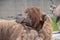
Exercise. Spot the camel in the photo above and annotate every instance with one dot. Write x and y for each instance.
(40, 28)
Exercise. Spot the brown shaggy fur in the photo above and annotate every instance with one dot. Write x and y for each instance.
(10, 30)
(42, 24)
(34, 15)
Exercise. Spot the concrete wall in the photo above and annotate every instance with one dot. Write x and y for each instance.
(9, 8)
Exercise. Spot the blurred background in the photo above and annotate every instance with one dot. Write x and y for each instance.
(10, 8)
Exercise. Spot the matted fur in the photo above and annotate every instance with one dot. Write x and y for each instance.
(34, 15)
(10, 30)
(42, 25)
